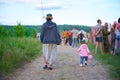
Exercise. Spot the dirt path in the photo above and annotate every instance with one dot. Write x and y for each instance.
(66, 68)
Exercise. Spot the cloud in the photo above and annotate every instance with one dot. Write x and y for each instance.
(49, 6)
(1, 3)
(19, 1)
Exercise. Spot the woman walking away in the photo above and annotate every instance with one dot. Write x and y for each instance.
(50, 38)
(84, 52)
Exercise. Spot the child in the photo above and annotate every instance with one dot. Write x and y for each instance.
(83, 51)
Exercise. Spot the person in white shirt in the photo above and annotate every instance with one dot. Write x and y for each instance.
(74, 37)
(99, 35)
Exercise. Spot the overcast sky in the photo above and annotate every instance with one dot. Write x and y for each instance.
(83, 12)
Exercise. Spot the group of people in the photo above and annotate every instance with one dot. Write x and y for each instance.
(73, 37)
(50, 38)
(108, 39)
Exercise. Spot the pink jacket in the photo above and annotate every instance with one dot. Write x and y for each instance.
(83, 50)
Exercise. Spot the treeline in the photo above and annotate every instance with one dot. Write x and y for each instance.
(70, 27)
(20, 30)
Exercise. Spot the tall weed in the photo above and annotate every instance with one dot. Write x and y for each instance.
(15, 51)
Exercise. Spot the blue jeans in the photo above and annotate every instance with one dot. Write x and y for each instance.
(117, 47)
(83, 58)
(74, 42)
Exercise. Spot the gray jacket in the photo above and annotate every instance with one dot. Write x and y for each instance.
(49, 33)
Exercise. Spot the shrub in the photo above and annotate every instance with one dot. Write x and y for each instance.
(19, 31)
(3, 31)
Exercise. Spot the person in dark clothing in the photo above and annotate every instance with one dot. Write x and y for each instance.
(50, 38)
(106, 44)
(70, 38)
(81, 36)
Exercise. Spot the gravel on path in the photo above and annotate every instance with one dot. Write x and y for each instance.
(66, 68)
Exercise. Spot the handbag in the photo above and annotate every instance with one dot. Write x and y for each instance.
(90, 57)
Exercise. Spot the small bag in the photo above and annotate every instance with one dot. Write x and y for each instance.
(90, 56)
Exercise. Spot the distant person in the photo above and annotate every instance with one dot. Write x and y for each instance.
(92, 35)
(117, 39)
(81, 36)
(84, 52)
(38, 36)
(50, 38)
(99, 36)
(112, 34)
(74, 37)
(106, 44)
(70, 37)
(65, 36)
(85, 37)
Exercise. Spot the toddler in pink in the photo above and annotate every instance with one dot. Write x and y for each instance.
(83, 51)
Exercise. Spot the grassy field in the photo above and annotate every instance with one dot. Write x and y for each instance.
(113, 62)
(15, 52)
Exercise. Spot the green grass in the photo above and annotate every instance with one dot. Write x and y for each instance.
(112, 61)
(14, 52)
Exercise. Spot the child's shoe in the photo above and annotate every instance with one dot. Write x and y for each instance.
(85, 62)
(81, 65)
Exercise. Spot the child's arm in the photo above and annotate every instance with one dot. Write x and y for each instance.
(88, 50)
(79, 49)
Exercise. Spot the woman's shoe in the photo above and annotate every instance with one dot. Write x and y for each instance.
(50, 68)
(45, 67)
